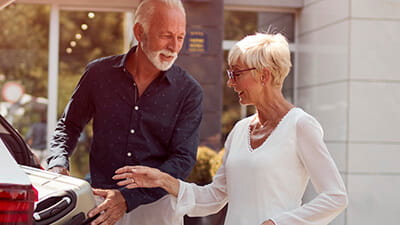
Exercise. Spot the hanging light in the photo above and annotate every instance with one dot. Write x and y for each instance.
(91, 15)
(68, 50)
(72, 43)
(84, 26)
(78, 36)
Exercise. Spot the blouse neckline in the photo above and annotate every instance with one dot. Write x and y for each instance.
(251, 149)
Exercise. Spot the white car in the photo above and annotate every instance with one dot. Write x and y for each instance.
(31, 196)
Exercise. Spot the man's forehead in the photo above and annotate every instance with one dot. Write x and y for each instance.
(169, 21)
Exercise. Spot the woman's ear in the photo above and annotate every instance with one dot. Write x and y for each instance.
(265, 76)
(138, 32)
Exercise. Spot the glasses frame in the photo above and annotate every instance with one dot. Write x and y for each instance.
(232, 74)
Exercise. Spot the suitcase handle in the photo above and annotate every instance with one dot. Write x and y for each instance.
(53, 210)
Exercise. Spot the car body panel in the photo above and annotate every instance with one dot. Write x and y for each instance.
(60, 200)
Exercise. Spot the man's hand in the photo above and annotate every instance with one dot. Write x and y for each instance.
(111, 210)
(60, 170)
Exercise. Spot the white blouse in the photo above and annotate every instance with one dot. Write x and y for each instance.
(269, 182)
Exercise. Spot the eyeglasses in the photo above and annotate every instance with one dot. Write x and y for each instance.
(232, 74)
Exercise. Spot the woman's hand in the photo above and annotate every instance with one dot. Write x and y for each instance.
(146, 177)
(138, 176)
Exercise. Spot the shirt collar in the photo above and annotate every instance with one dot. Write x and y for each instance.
(165, 75)
(121, 61)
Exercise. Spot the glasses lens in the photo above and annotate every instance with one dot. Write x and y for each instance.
(230, 74)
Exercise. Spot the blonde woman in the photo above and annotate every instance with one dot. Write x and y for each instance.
(270, 156)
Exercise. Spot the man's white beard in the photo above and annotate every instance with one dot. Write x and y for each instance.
(154, 57)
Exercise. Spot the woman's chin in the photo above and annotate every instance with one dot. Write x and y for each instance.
(243, 101)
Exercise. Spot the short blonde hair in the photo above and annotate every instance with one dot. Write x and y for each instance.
(263, 50)
(146, 8)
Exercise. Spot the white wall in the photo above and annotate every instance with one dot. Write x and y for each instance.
(348, 79)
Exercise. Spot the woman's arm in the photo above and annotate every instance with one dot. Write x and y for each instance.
(325, 177)
(191, 199)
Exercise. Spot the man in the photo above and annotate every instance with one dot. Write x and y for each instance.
(145, 110)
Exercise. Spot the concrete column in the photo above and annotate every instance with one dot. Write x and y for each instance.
(54, 33)
(202, 57)
(348, 79)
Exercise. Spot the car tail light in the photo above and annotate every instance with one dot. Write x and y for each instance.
(16, 204)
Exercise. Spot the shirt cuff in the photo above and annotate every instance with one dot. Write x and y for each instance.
(185, 201)
(130, 203)
(59, 161)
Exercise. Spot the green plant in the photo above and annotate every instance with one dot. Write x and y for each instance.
(207, 164)
(216, 162)
(201, 172)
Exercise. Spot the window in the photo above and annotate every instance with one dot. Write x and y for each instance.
(23, 63)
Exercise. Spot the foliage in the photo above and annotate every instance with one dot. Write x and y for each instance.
(238, 24)
(216, 162)
(207, 164)
(24, 56)
(24, 46)
(201, 172)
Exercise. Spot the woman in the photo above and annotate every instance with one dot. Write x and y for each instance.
(270, 156)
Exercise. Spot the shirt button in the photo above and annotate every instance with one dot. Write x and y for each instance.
(134, 84)
(136, 108)
(132, 131)
(129, 154)
(124, 69)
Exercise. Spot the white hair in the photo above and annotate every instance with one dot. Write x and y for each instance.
(146, 8)
(263, 50)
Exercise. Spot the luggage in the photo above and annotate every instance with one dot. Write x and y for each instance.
(63, 200)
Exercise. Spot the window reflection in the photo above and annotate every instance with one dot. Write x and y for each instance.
(23, 64)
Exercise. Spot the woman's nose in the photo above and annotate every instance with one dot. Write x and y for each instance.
(230, 82)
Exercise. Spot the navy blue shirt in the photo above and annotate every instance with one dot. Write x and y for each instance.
(158, 129)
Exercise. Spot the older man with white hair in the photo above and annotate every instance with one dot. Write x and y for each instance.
(145, 110)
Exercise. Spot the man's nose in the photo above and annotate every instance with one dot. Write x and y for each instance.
(175, 45)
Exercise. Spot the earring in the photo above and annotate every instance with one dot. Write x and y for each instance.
(263, 81)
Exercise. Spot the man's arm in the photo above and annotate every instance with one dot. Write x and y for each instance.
(182, 149)
(185, 141)
(76, 115)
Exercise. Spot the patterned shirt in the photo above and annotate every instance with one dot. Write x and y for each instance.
(158, 129)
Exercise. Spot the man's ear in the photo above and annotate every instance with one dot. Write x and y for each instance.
(138, 31)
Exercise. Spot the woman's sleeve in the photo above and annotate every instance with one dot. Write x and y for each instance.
(332, 198)
(194, 200)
